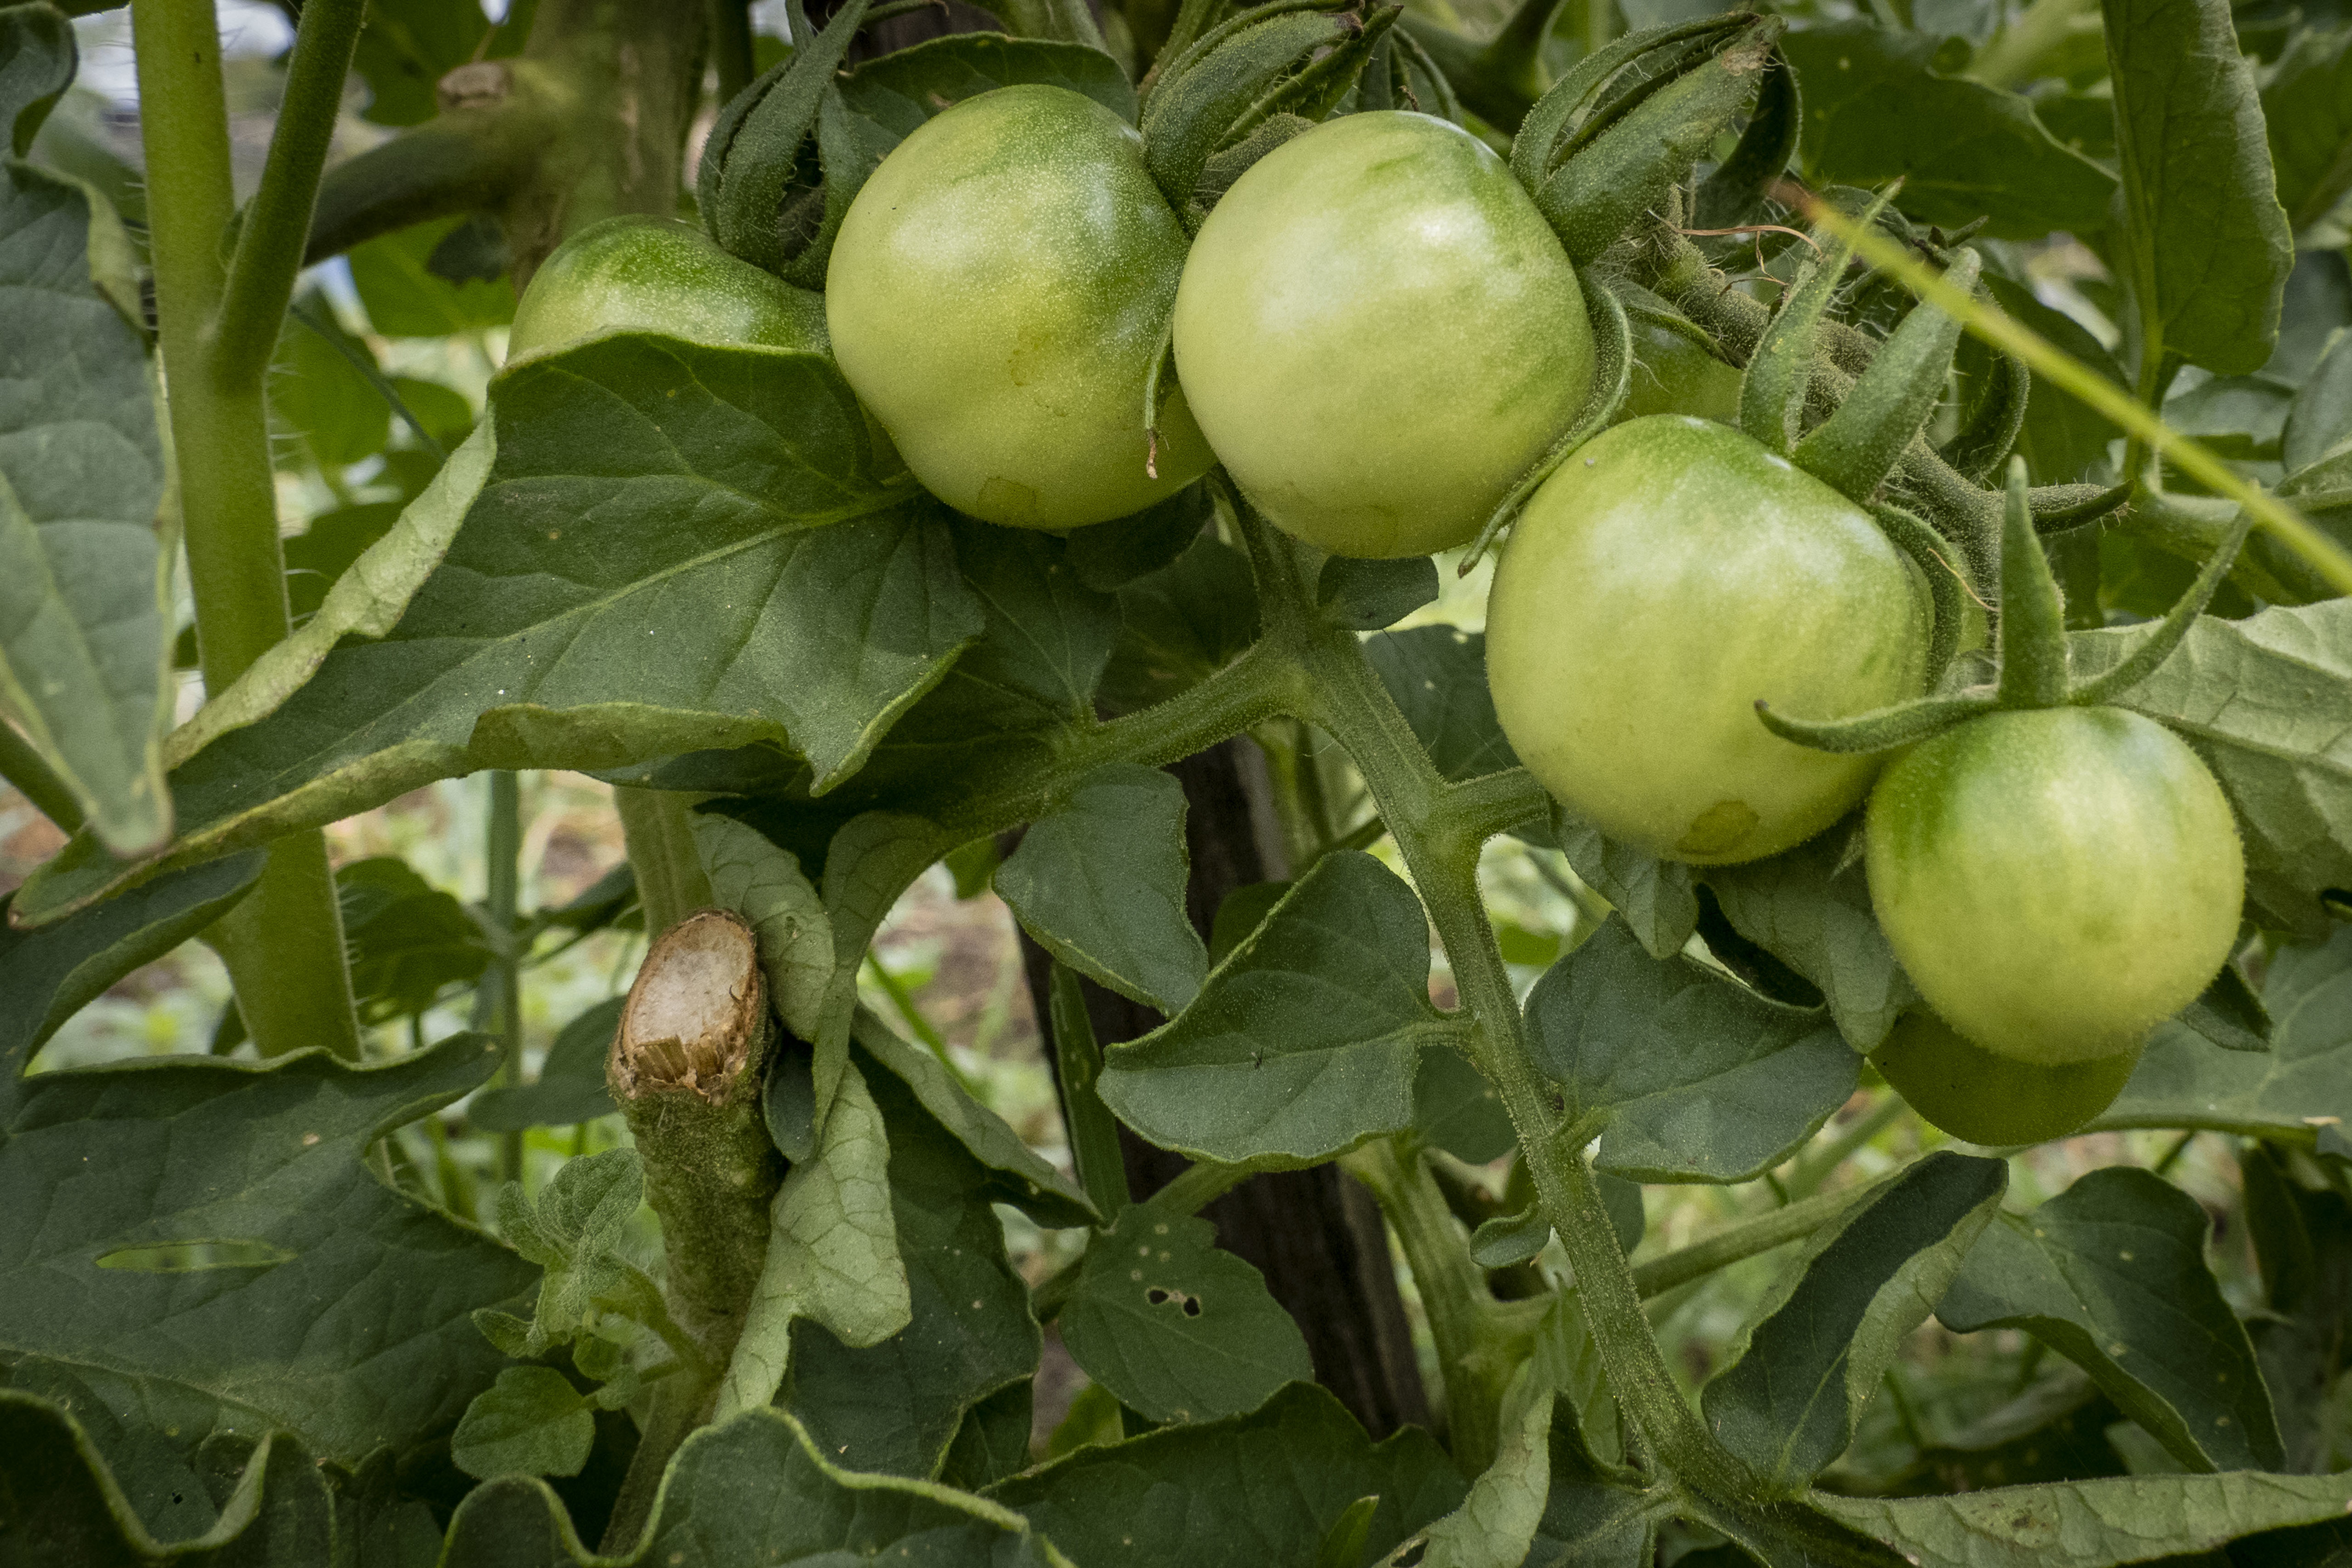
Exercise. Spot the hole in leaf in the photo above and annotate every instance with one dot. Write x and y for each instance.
(1191, 1306)
(194, 1256)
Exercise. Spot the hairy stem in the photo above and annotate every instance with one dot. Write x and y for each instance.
(1745, 1240)
(503, 994)
(658, 826)
(284, 943)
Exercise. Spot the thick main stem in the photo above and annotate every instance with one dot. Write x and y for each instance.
(284, 944)
(1352, 705)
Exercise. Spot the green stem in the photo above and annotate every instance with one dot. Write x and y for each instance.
(658, 826)
(1094, 1136)
(1453, 1297)
(903, 1000)
(277, 224)
(1762, 1234)
(502, 906)
(23, 766)
(1440, 845)
(1815, 1166)
(284, 943)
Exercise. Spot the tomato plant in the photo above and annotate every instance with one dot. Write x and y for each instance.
(737, 748)
(996, 295)
(1666, 577)
(1379, 333)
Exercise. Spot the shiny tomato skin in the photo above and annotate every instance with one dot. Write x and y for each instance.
(996, 294)
(1671, 572)
(1379, 334)
(658, 275)
(2056, 882)
(1995, 1100)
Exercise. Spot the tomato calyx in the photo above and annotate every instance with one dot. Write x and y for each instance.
(2034, 670)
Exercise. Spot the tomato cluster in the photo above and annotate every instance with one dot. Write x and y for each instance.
(1377, 333)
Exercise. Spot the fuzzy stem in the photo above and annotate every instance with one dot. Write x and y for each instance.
(503, 850)
(1766, 1231)
(284, 943)
(658, 826)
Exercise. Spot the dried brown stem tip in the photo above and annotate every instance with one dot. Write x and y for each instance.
(696, 1014)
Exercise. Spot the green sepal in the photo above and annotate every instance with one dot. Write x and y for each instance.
(2033, 610)
(1991, 431)
(2058, 509)
(1856, 449)
(1572, 112)
(1933, 554)
(1601, 188)
(1742, 184)
(1230, 81)
(758, 146)
(1882, 730)
(2165, 636)
(1502, 78)
(1772, 388)
(1612, 377)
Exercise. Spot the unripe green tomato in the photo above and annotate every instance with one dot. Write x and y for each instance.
(1668, 575)
(658, 275)
(1991, 1100)
(1379, 333)
(1672, 375)
(2056, 882)
(996, 294)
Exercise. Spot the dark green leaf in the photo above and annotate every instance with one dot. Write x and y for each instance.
(1691, 1076)
(127, 1184)
(56, 1506)
(84, 573)
(2307, 111)
(2228, 1013)
(2240, 416)
(1177, 1329)
(1592, 1518)
(895, 1407)
(2064, 436)
(1875, 107)
(1304, 1041)
(571, 1085)
(901, 90)
(407, 939)
(1243, 910)
(1496, 1523)
(2267, 702)
(1819, 1343)
(404, 298)
(2320, 420)
(1658, 898)
(1438, 677)
(1109, 556)
(1015, 1173)
(2208, 244)
(1500, 1242)
(1180, 625)
(1816, 919)
(994, 1441)
(406, 49)
(1100, 881)
(673, 546)
(753, 1490)
(37, 65)
(531, 1422)
(319, 396)
(2111, 1273)
(1252, 1491)
(2091, 1524)
(1365, 595)
(1458, 1110)
(2302, 1241)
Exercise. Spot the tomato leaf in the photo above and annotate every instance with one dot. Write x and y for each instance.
(2320, 419)
(1099, 882)
(1877, 108)
(86, 561)
(2111, 1274)
(2208, 246)
(2302, 1241)
(1365, 595)
(1304, 1041)
(1817, 1346)
(1658, 898)
(895, 1407)
(1691, 1076)
(37, 61)
(758, 1489)
(1177, 1329)
(1438, 677)
(319, 396)
(531, 1422)
(671, 546)
(1242, 1492)
(1496, 1525)
(570, 1088)
(2094, 1524)
(1815, 917)
(2307, 111)
(1180, 625)
(404, 298)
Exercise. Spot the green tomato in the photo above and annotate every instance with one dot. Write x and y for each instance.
(1995, 1100)
(658, 275)
(1672, 375)
(1379, 334)
(1668, 575)
(997, 294)
(2056, 882)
